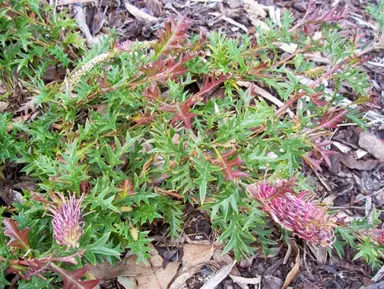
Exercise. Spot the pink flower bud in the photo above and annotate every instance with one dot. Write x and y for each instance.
(294, 213)
(66, 221)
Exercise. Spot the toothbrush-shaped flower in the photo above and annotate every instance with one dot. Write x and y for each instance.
(66, 221)
(295, 213)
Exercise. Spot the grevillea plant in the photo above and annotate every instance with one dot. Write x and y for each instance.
(137, 130)
(294, 213)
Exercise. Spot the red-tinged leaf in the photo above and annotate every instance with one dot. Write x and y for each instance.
(152, 92)
(181, 111)
(143, 118)
(316, 99)
(208, 84)
(162, 70)
(172, 37)
(331, 120)
(19, 238)
(312, 162)
(72, 279)
(315, 19)
(323, 153)
(227, 165)
(256, 70)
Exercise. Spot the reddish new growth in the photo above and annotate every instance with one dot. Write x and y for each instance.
(227, 165)
(66, 221)
(294, 213)
(172, 37)
(378, 235)
(181, 111)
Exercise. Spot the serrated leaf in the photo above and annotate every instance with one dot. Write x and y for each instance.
(228, 165)
(172, 37)
(19, 238)
(72, 279)
(181, 111)
(204, 170)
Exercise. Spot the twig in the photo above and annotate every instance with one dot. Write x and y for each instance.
(322, 181)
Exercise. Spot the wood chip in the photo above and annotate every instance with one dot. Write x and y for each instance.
(242, 280)
(140, 15)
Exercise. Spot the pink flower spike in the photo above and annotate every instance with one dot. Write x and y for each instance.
(66, 221)
(294, 213)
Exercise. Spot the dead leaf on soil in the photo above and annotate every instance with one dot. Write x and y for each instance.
(253, 7)
(223, 260)
(295, 269)
(148, 276)
(219, 276)
(320, 253)
(272, 282)
(360, 165)
(127, 282)
(3, 106)
(183, 276)
(197, 254)
(256, 12)
(372, 144)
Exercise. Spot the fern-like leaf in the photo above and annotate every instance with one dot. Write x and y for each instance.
(172, 37)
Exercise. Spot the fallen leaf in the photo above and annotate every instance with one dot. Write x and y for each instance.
(295, 269)
(127, 282)
(320, 253)
(271, 282)
(183, 276)
(218, 277)
(223, 260)
(148, 276)
(360, 165)
(254, 8)
(372, 144)
(196, 254)
(3, 106)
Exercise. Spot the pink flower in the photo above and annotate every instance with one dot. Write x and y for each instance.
(378, 235)
(294, 213)
(66, 221)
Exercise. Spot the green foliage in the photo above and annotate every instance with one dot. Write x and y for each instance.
(139, 135)
(34, 38)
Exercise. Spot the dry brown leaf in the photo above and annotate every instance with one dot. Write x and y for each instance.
(3, 106)
(183, 276)
(166, 275)
(218, 277)
(360, 165)
(254, 8)
(295, 269)
(223, 260)
(148, 276)
(127, 282)
(196, 254)
(320, 253)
